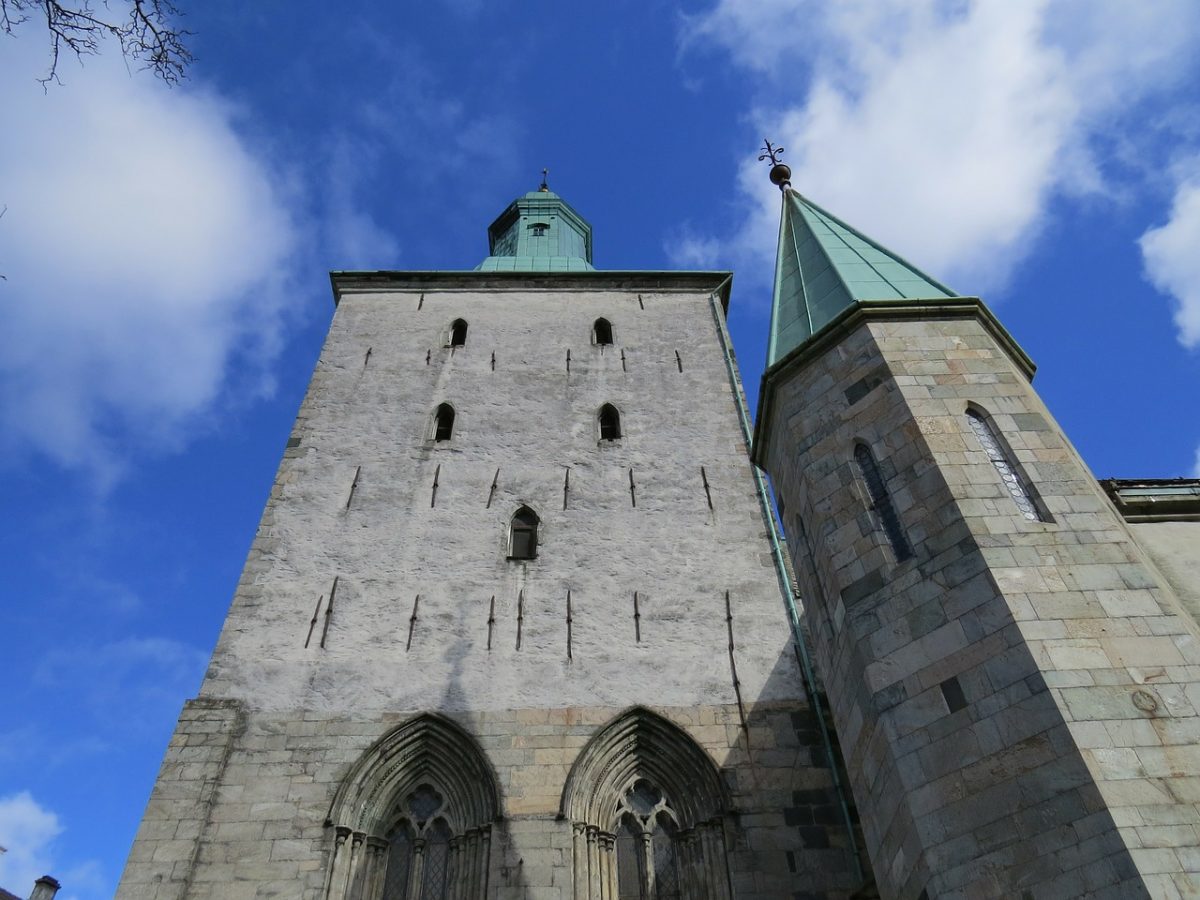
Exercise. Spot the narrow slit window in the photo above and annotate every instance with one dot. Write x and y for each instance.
(1017, 487)
(602, 332)
(523, 534)
(458, 333)
(443, 423)
(881, 501)
(610, 423)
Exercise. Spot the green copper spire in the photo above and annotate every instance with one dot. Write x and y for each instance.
(824, 267)
(539, 232)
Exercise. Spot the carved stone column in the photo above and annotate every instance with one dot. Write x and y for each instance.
(484, 859)
(339, 866)
(374, 868)
(579, 857)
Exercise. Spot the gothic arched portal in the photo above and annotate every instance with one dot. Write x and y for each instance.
(647, 809)
(412, 819)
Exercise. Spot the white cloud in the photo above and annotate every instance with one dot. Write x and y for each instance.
(689, 250)
(27, 832)
(142, 246)
(945, 129)
(134, 684)
(1171, 255)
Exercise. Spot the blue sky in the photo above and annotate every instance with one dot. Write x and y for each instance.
(166, 256)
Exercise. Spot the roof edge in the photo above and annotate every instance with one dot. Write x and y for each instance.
(348, 282)
(864, 311)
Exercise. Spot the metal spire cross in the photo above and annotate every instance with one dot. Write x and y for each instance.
(781, 175)
(544, 186)
(771, 153)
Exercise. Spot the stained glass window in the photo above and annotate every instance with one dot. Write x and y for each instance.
(1013, 482)
(881, 501)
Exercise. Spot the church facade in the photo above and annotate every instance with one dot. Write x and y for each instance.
(518, 621)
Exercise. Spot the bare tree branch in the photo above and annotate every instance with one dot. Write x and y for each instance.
(146, 34)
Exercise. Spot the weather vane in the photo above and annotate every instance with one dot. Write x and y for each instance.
(781, 175)
(544, 185)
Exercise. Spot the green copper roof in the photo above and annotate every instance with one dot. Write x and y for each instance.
(539, 232)
(824, 266)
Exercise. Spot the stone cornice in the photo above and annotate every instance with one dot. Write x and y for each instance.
(363, 282)
(866, 311)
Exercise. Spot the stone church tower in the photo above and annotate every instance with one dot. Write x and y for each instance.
(514, 624)
(1011, 649)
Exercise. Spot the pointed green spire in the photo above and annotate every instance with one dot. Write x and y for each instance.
(539, 232)
(824, 267)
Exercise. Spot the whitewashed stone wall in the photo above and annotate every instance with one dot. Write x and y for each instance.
(299, 687)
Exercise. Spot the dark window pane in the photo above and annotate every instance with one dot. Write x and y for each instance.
(666, 872)
(630, 862)
(458, 333)
(444, 423)
(399, 863)
(881, 502)
(610, 423)
(603, 331)
(523, 534)
(437, 858)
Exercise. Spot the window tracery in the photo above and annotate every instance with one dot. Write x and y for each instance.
(412, 821)
(647, 807)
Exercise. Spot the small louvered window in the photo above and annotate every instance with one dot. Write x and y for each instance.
(881, 501)
(1018, 488)
(523, 534)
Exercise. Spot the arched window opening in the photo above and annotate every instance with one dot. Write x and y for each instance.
(997, 452)
(881, 501)
(523, 534)
(458, 333)
(610, 423)
(647, 807)
(412, 820)
(602, 332)
(443, 422)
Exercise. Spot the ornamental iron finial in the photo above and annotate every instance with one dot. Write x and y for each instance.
(544, 186)
(781, 175)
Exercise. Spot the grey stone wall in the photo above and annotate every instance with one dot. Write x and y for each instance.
(1175, 549)
(1018, 702)
(319, 673)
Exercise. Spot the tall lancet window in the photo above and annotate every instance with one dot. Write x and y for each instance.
(1016, 485)
(610, 423)
(881, 501)
(602, 332)
(458, 333)
(523, 534)
(443, 422)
